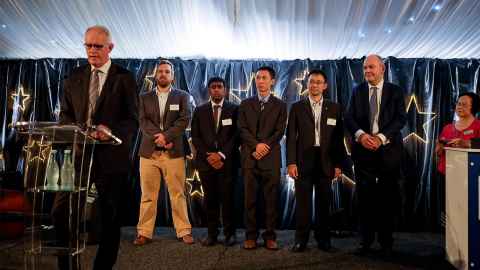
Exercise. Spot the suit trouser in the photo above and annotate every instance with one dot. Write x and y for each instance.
(269, 179)
(109, 191)
(377, 194)
(218, 188)
(303, 207)
(173, 172)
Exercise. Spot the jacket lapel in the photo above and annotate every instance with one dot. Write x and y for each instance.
(383, 103)
(308, 109)
(209, 117)
(107, 87)
(83, 94)
(323, 122)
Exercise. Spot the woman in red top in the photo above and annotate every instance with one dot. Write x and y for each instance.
(459, 133)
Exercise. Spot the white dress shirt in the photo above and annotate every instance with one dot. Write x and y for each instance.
(102, 74)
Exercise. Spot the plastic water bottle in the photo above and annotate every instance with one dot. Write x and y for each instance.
(67, 173)
(2, 162)
(52, 171)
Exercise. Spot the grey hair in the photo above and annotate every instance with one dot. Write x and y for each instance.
(102, 29)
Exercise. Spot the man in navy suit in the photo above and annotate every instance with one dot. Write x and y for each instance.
(375, 117)
(315, 151)
(261, 123)
(214, 135)
(104, 94)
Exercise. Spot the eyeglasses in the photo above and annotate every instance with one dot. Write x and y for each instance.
(95, 46)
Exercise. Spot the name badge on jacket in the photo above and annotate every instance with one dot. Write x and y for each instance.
(331, 121)
(227, 122)
(174, 107)
(468, 132)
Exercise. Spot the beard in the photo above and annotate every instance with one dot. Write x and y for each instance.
(163, 83)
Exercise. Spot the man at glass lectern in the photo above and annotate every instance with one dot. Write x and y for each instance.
(104, 94)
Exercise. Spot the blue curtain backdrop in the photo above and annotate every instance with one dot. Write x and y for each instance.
(31, 90)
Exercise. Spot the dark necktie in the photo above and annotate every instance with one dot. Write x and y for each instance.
(262, 104)
(93, 91)
(373, 107)
(215, 115)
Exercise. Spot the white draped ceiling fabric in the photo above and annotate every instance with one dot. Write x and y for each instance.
(244, 29)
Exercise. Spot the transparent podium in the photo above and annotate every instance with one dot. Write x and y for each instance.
(57, 164)
(463, 208)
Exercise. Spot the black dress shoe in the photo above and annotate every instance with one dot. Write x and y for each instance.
(298, 247)
(230, 240)
(386, 252)
(363, 250)
(209, 241)
(325, 245)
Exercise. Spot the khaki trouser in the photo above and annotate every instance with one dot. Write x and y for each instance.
(173, 172)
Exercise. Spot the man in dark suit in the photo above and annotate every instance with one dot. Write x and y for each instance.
(375, 118)
(214, 135)
(164, 115)
(102, 94)
(261, 122)
(315, 151)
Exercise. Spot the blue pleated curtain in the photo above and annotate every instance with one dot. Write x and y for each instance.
(31, 90)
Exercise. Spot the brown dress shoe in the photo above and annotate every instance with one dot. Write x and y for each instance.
(271, 244)
(249, 244)
(188, 239)
(141, 240)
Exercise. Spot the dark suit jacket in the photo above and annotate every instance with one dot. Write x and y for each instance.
(115, 108)
(301, 137)
(267, 126)
(392, 118)
(205, 139)
(176, 119)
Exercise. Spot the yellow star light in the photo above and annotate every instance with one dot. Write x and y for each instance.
(236, 93)
(150, 79)
(195, 181)
(22, 96)
(36, 150)
(413, 100)
(299, 82)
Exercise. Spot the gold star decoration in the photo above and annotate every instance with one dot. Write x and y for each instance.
(20, 98)
(418, 115)
(195, 185)
(299, 82)
(36, 150)
(236, 94)
(149, 79)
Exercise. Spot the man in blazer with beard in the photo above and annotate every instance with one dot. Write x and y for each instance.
(261, 122)
(164, 115)
(315, 150)
(103, 94)
(375, 118)
(214, 136)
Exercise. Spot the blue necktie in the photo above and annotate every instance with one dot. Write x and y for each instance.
(373, 107)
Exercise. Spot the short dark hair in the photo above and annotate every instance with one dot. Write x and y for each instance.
(166, 62)
(216, 79)
(269, 69)
(317, 72)
(475, 101)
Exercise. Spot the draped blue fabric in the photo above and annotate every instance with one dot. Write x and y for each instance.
(30, 90)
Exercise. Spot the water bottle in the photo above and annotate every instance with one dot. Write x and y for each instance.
(53, 171)
(67, 173)
(2, 162)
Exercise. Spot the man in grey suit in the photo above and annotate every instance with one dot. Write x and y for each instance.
(164, 116)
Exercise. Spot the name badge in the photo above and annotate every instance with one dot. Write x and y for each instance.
(331, 121)
(468, 132)
(227, 122)
(174, 107)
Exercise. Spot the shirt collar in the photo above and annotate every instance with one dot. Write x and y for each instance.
(103, 69)
(220, 104)
(264, 99)
(313, 101)
(379, 85)
(164, 93)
